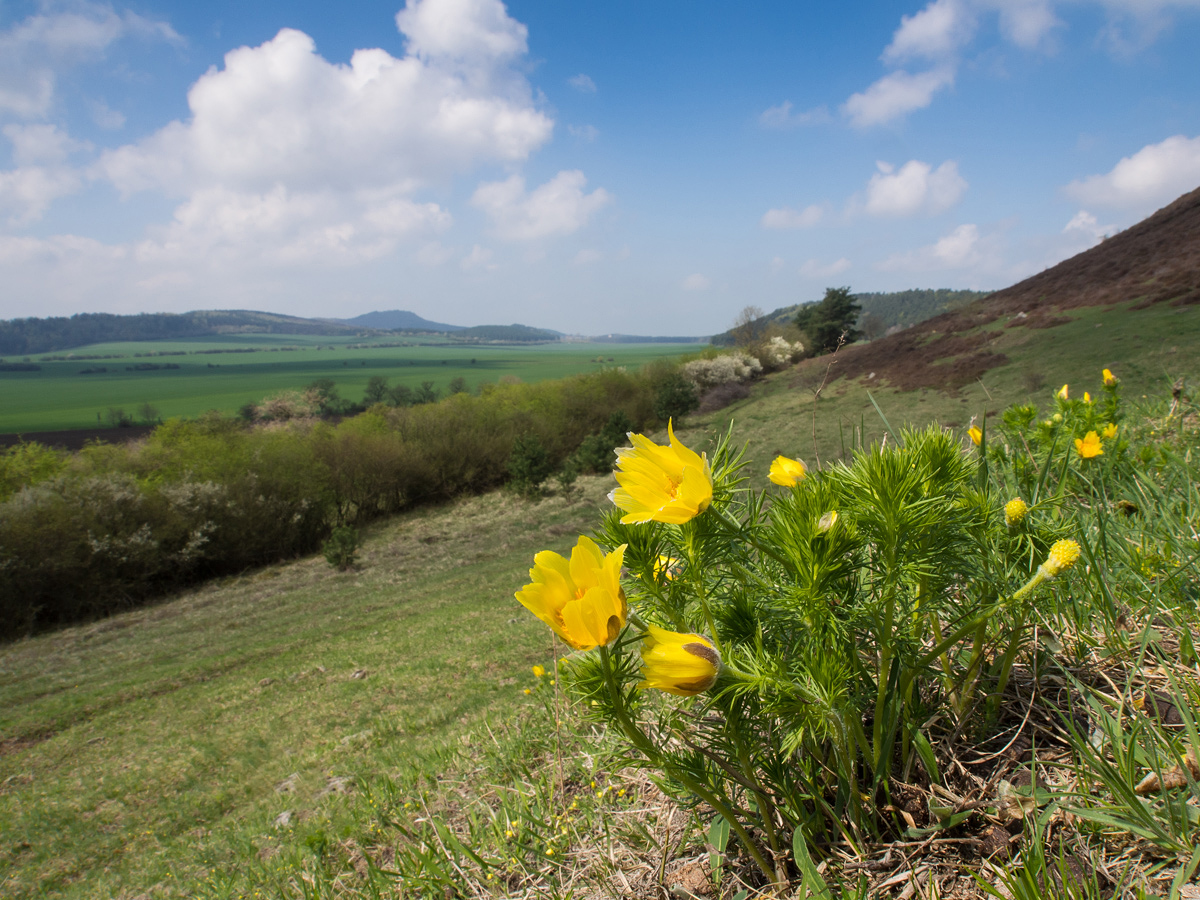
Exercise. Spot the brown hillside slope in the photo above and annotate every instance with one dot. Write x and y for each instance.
(1156, 260)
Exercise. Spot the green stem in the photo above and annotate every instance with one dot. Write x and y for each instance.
(638, 738)
(741, 531)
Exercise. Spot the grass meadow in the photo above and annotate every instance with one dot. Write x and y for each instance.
(300, 732)
(225, 372)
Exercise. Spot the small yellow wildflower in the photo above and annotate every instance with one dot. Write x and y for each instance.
(1087, 398)
(1110, 431)
(1110, 380)
(528, 691)
(1062, 393)
(787, 472)
(682, 664)
(976, 435)
(581, 598)
(538, 671)
(1088, 446)
(669, 484)
(1015, 510)
(1062, 556)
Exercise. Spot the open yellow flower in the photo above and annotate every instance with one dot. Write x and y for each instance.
(1062, 393)
(975, 435)
(1110, 431)
(669, 484)
(1089, 445)
(580, 599)
(787, 472)
(1110, 380)
(683, 664)
(1015, 510)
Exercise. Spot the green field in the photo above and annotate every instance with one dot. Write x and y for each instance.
(225, 372)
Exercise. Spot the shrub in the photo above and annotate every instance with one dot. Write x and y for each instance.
(528, 466)
(722, 395)
(675, 398)
(705, 374)
(341, 549)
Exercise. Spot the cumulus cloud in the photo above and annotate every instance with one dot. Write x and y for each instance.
(582, 83)
(557, 207)
(36, 49)
(915, 188)
(1086, 224)
(1155, 175)
(963, 248)
(1027, 23)
(895, 95)
(938, 31)
(42, 172)
(782, 116)
(786, 217)
(696, 282)
(464, 31)
(814, 268)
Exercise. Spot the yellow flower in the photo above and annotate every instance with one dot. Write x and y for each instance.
(683, 664)
(787, 472)
(1110, 431)
(976, 435)
(664, 567)
(1089, 445)
(827, 521)
(1062, 556)
(1087, 398)
(661, 484)
(580, 599)
(1015, 510)
(1062, 393)
(1110, 380)
(538, 671)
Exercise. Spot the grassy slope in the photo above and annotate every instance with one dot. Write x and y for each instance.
(152, 751)
(58, 397)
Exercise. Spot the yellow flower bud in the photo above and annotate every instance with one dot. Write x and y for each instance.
(1015, 510)
(1087, 398)
(1062, 556)
(682, 664)
(1062, 393)
(1110, 380)
(787, 472)
(976, 435)
(827, 521)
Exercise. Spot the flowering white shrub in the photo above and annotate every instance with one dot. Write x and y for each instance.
(732, 367)
(778, 352)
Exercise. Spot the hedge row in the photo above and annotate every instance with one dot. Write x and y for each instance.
(87, 534)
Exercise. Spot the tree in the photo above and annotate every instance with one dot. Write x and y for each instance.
(830, 322)
(458, 385)
(674, 398)
(377, 390)
(748, 326)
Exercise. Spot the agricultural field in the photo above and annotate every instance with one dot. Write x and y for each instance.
(187, 378)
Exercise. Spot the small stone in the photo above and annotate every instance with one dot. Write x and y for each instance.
(359, 674)
(266, 682)
(284, 819)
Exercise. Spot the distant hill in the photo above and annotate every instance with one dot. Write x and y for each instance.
(396, 320)
(894, 309)
(505, 334)
(642, 339)
(22, 337)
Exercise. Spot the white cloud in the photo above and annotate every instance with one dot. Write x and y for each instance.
(582, 83)
(585, 133)
(814, 268)
(470, 31)
(1086, 224)
(895, 95)
(33, 144)
(916, 188)
(1155, 175)
(42, 173)
(557, 207)
(936, 33)
(785, 217)
(963, 248)
(106, 117)
(1027, 22)
(781, 116)
(35, 50)
(696, 282)
(478, 258)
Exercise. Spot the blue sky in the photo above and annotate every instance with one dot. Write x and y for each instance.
(647, 168)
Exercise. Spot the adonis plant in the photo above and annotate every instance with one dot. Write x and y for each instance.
(784, 646)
